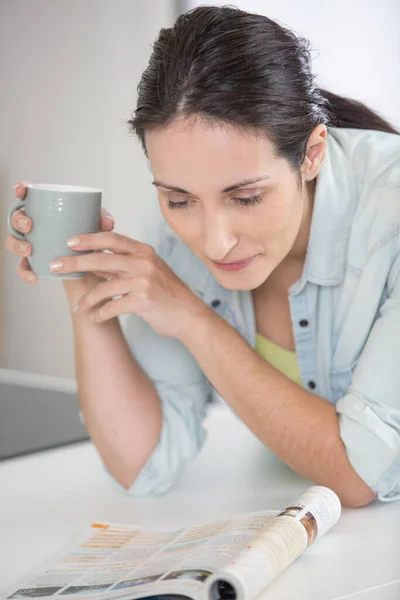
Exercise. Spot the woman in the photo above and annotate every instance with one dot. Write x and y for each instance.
(274, 277)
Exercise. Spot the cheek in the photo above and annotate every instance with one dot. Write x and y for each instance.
(284, 212)
(185, 226)
(276, 220)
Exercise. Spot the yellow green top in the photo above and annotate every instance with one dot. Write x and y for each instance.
(281, 359)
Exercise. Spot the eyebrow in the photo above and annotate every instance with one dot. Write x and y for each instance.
(230, 188)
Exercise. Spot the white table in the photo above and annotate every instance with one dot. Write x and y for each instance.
(48, 497)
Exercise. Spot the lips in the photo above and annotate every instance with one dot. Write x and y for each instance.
(234, 266)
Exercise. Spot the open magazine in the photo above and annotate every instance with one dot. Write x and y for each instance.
(232, 559)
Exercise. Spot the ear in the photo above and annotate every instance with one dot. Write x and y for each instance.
(315, 153)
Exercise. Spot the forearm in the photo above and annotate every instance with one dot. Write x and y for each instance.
(298, 426)
(120, 404)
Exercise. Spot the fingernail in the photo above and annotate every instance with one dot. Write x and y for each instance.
(105, 213)
(72, 242)
(91, 316)
(75, 307)
(31, 277)
(56, 265)
(22, 223)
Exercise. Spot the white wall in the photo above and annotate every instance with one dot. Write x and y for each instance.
(68, 76)
(357, 44)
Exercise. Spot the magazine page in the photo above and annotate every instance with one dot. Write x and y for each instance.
(98, 558)
(230, 558)
(184, 566)
(289, 534)
(111, 560)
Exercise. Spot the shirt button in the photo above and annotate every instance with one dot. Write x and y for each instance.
(303, 323)
(312, 385)
(215, 303)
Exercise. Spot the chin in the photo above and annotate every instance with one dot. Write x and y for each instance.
(240, 281)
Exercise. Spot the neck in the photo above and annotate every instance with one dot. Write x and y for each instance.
(298, 251)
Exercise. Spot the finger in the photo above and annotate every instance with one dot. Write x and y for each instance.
(95, 261)
(21, 222)
(107, 221)
(20, 190)
(107, 224)
(25, 273)
(107, 240)
(105, 275)
(104, 291)
(115, 308)
(17, 247)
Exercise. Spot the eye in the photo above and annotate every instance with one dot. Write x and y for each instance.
(178, 205)
(249, 201)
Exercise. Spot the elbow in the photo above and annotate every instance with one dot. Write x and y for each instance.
(142, 482)
(352, 490)
(356, 497)
(358, 501)
(126, 481)
(124, 477)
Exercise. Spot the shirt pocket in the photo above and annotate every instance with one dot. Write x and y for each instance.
(341, 380)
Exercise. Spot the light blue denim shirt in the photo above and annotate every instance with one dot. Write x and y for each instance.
(349, 294)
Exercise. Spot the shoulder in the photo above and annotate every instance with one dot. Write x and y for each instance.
(374, 156)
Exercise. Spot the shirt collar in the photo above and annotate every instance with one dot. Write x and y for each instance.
(333, 211)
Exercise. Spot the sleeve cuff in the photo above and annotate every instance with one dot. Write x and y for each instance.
(179, 443)
(153, 479)
(372, 446)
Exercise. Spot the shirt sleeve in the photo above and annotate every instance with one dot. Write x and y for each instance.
(184, 393)
(369, 414)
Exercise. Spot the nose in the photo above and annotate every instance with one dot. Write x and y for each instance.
(219, 239)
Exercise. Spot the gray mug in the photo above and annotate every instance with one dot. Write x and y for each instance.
(58, 212)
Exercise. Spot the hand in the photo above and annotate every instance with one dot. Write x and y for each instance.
(142, 283)
(24, 249)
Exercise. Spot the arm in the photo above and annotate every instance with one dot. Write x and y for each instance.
(300, 427)
(120, 404)
(143, 397)
(369, 414)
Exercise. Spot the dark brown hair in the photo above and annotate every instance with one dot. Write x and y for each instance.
(231, 66)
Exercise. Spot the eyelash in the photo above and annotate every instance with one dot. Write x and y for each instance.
(241, 201)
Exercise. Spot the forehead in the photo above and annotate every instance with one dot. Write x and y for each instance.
(189, 150)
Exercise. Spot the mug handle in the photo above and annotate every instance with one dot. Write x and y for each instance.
(12, 210)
